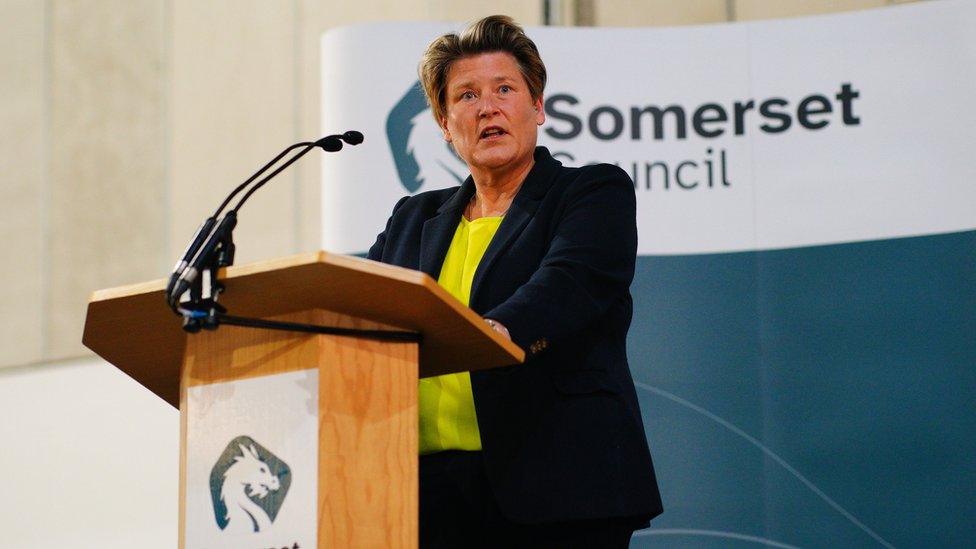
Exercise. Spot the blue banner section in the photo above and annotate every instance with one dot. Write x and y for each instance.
(811, 397)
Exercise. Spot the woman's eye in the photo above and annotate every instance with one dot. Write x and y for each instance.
(467, 95)
(504, 89)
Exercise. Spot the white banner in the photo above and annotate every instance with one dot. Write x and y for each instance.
(252, 462)
(738, 136)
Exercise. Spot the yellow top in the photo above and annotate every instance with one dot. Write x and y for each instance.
(447, 416)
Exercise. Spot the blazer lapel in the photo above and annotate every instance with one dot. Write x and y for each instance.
(436, 235)
(519, 214)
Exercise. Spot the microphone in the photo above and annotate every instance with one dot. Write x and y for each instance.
(352, 137)
(333, 143)
(212, 232)
(203, 232)
(206, 228)
(192, 269)
(330, 143)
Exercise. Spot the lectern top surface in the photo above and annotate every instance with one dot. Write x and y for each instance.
(131, 326)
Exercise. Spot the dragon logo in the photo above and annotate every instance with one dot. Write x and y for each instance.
(248, 485)
(417, 143)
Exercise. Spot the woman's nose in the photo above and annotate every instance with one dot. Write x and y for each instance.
(488, 105)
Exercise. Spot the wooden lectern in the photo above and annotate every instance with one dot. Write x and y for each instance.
(367, 441)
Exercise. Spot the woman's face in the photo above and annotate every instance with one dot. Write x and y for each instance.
(491, 118)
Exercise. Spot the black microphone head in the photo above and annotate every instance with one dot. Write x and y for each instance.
(331, 143)
(352, 137)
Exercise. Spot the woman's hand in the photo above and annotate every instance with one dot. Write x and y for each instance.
(499, 327)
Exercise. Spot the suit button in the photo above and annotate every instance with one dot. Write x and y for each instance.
(538, 346)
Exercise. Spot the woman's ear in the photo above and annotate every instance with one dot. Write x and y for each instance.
(447, 132)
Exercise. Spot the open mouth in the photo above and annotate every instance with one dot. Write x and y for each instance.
(492, 132)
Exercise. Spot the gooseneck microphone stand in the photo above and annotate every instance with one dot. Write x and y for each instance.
(193, 289)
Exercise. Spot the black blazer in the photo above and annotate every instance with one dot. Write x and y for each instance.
(562, 435)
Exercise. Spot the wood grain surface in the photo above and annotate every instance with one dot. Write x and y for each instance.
(132, 328)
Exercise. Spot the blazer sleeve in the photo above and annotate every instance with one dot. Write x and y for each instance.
(587, 267)
(376, 250)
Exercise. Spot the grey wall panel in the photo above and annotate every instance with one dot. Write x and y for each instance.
(22, 181)
(232, 111)
(656, 13)
(106, 213)
(746, 10)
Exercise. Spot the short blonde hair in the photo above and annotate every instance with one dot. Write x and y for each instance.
(495, 33)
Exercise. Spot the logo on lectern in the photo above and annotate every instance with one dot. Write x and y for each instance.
(248, 485)
(419, 151)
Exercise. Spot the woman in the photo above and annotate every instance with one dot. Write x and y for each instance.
(550, 452)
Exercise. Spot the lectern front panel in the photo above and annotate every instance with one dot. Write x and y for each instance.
(324, 426)
(252, 461)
